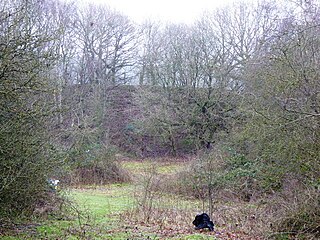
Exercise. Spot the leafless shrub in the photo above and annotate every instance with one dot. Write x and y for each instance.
(99, 174)
(53, 204)
(158, 208)
(297, 213)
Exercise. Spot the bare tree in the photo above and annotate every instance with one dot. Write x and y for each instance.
(106, 46)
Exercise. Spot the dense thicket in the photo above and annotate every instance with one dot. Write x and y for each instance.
(27, 53)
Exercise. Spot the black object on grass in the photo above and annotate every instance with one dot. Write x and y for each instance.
(203, 221)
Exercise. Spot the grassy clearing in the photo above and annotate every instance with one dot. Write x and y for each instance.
(106, 213)
(139, 167)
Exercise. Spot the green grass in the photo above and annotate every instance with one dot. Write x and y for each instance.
(170, 168)
(139, 167)
(198, 237)
(104, 201)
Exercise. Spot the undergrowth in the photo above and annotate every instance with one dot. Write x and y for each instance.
(236, 194)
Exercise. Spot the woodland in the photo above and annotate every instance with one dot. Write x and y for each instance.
(222, 114)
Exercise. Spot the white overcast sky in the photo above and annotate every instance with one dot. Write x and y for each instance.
(176, 11)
